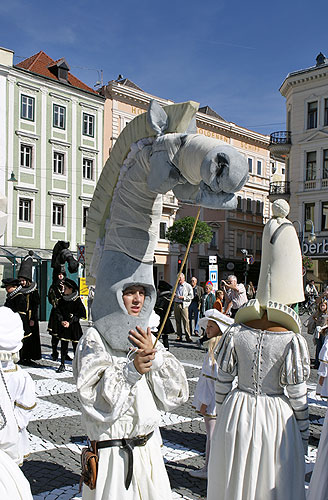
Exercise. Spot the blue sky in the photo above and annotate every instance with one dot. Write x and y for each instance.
(231, 55)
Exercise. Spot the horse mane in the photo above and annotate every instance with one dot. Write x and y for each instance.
(179, 118)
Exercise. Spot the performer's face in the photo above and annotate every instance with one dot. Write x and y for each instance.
(133, 298)
(212, 329)
(22, 282)
(60, 277)
(10, 288)
(67, 290)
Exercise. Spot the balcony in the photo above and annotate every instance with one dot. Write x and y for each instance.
(280, 143)
(279, 189)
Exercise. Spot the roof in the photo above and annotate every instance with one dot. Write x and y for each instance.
(41, 63)
(128, 83)
(209, 111)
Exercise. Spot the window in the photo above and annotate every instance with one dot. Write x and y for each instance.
(311, 165)
(312, 114)
(88, 124)
(249, 243)
(25, 210)
(27, 107)
(85, 216)
(325, 164)
(308, 215)
(324, 216)
(249, 205)
(213, 240)
(59, 116)
(258, 243)
(87, 169)
(259, 167)
(239, 241)
(258, 207)
(57, 214)
(250, 165)
(325, 116)
(162, 230)
(59, 163)
(283, 171)
(239, 203)
(273, 168)
(26, 156)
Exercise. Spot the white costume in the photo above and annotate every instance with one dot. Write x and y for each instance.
(19, 383)
(261, 434)
(205, 388)
(118, 402)
(318, 489)
(13, 484)
(322, 390)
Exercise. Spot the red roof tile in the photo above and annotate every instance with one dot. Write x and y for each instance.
(39, 63)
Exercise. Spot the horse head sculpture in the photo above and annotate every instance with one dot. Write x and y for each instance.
(156, 152)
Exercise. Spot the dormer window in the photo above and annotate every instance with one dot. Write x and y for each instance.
(60, 69)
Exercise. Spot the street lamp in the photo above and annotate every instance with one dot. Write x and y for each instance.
(301, 234)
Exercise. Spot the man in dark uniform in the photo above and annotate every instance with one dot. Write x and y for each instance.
(16, 301)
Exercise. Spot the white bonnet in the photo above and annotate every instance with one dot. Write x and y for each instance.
(11, 330)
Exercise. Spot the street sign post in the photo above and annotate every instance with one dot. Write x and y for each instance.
(213, 275)
(81, 254)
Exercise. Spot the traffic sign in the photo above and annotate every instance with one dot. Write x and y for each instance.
(81, 254)
(213, 275)
(212, 259)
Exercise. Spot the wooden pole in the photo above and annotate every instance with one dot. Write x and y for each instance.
(177, 281)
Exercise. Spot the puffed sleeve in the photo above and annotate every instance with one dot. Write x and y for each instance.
(106, 385)
(294, 374)
(167, 380)
(227, 366)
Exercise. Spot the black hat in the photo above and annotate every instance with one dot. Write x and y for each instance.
(10, 281)
(164, 286)
(70, 284)
(25, 270)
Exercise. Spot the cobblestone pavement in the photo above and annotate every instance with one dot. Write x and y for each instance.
(56, 435)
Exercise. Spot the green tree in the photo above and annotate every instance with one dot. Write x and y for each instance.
(180, 232)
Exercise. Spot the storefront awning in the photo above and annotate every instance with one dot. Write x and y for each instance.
(18, 253)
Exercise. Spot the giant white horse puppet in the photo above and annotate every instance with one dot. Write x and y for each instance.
(156, 152)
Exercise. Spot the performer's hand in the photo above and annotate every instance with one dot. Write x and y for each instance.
(321, 380)
(141, 339)
(203, 409)
(143, 360)
(65, 324)
(31, 322)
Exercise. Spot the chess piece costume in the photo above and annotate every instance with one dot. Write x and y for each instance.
(31, 346)
(261, 432)
(70, 308)
(16, 301)
(19, 383)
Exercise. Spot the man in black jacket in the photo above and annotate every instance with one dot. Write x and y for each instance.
(195, 304)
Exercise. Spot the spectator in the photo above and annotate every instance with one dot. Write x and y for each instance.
(218, 304)
(310, 291)
(195, 305)
(91, 296)
(182, 300)
(250, 291)
(235, 295)
(162, 303)
(322, 385)
(317, 322)
(208, 298)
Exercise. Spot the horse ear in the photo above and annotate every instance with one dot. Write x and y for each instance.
(192, 127)
(157, 117)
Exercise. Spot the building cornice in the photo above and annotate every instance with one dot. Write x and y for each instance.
(115, 89)
(20, 133)
(57, 142)
(302, 77)
(88, 150)
(85, 198)
(59, 194)
(26, 189)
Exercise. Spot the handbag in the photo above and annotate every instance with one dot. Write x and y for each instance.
(89, 465)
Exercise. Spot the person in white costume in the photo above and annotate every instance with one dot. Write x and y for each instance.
(322, 385)
(318, 488)
(20, 384)
(13, 484)
(215, 323)
(261, 435)
(120, 398)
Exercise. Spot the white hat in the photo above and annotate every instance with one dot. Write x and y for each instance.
(11, 332)
(219, 318)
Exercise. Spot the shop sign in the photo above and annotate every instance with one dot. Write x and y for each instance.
(317, 248)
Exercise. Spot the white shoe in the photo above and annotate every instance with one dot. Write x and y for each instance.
(200, 473)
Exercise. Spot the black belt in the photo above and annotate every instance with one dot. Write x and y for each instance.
(126, 444)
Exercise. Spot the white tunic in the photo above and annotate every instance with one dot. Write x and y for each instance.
(205, 388)
(118, 402)
(257, 451)
(318, 489)
(322, 390)
(21, 388)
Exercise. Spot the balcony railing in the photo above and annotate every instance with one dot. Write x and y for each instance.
(281, 137)
(280, 187)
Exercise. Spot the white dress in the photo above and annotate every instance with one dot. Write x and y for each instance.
(322, 390)
(318, 489)
(257, 451)
(21, 388)
(117, 402)
(205, 388)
